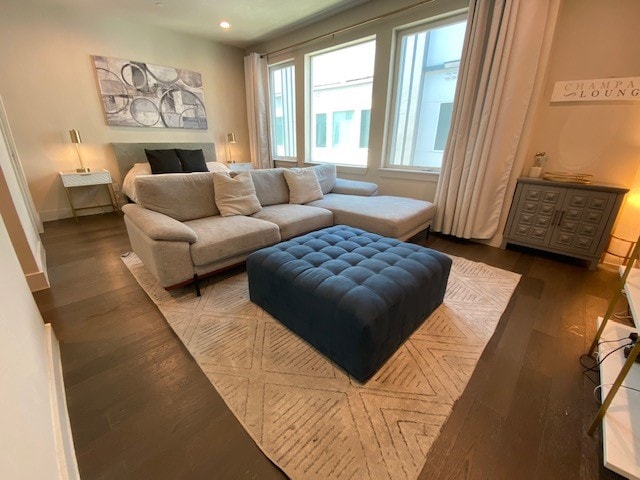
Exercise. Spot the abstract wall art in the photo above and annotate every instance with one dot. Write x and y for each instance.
(137, 94)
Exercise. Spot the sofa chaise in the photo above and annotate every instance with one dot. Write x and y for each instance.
(177, 231)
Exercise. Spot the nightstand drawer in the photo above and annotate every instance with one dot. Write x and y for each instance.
(74, 179)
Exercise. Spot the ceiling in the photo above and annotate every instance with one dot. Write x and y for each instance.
(252, 21)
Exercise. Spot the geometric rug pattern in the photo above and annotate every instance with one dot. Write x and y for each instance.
(308, 416)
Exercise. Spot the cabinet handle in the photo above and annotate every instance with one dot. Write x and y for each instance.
(560, 219)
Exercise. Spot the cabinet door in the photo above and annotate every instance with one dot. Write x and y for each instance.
(581, 223)
(535, 212)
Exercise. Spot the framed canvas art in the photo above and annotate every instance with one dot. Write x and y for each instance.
(137, 94)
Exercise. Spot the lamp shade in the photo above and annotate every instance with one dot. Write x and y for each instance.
(231, 137)
(75, 136)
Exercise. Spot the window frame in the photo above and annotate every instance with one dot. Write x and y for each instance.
(309, 114)
(395, 60)
(272, 118)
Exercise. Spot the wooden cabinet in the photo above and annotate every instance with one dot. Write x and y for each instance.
(566, 218)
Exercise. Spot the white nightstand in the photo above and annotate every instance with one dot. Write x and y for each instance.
(72, 179)
(240, 166)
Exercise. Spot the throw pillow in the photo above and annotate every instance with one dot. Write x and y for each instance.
(235, 196)
(326, 174)
(163, 161)
(303, 185)
(192, 160)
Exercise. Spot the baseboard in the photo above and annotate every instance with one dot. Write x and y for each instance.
(50, 215)
(63, 438)
(39, 280)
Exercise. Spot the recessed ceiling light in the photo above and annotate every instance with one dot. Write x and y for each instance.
(159, 4)
(224, 24)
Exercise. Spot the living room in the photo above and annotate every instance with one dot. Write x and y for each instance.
(49, 87)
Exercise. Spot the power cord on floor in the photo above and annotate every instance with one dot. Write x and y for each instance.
(623, 315)
(599, 361)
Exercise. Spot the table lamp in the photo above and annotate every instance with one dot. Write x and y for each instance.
(231, 138)
(77, 140)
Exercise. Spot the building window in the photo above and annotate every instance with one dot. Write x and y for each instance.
(283, 110)
(442, 128)
(340, 87)
(425, 77)
(321, 130)
(365, 125)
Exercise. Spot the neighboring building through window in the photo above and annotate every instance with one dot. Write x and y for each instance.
(283, 110)
(340, 83)
(425, 85)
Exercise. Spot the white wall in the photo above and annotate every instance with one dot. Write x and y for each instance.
(28, 448)
(49, 87)
(16, 207)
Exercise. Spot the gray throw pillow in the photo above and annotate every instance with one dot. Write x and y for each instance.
(303, 185)
(235, 196)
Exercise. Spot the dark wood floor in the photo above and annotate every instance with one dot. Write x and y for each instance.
(141, 408)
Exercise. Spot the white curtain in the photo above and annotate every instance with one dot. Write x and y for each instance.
(256, 84)
(502, 69)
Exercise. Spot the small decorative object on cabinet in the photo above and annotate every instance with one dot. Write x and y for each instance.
(97, 177)
(565, 218)
(620, 379)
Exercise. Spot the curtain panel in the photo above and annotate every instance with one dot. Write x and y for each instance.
(502, 70)
(257, 88)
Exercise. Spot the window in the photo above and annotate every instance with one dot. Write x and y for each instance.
(340, 87)
(365, 125)
(283, 110)
(321, 130)
(442, 128)
(425, 77)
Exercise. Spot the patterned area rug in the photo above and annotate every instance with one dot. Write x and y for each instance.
(309, 416)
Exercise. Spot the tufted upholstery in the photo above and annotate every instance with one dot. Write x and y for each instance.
(355, 296)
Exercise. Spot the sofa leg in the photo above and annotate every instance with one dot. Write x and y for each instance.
(196, 283)
(428, 230)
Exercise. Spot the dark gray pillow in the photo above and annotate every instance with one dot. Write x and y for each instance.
(163, 161)
(192, 160)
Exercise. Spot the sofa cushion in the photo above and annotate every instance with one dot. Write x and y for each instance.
(294, 220)
(387, 216)
(235, 196)
(163, 161)
(355, 187)
(192, 160)
(223, 237)
(327, 176)
(184, 196)
(303, 185)
(271, 187)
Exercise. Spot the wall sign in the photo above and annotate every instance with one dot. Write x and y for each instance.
(597, 90)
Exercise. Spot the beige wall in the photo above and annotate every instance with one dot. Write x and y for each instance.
(594, 39)
(49, 86)
(391, 182)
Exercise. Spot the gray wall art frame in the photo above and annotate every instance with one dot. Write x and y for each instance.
(137, 94)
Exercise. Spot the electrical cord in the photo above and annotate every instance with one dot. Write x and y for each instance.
(594, 368)
(609, 385)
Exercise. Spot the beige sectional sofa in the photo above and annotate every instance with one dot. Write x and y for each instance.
(177, 231)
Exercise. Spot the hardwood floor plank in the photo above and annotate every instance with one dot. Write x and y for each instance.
(140, 406)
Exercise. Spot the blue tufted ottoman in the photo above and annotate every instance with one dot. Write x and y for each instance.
(354, 295)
